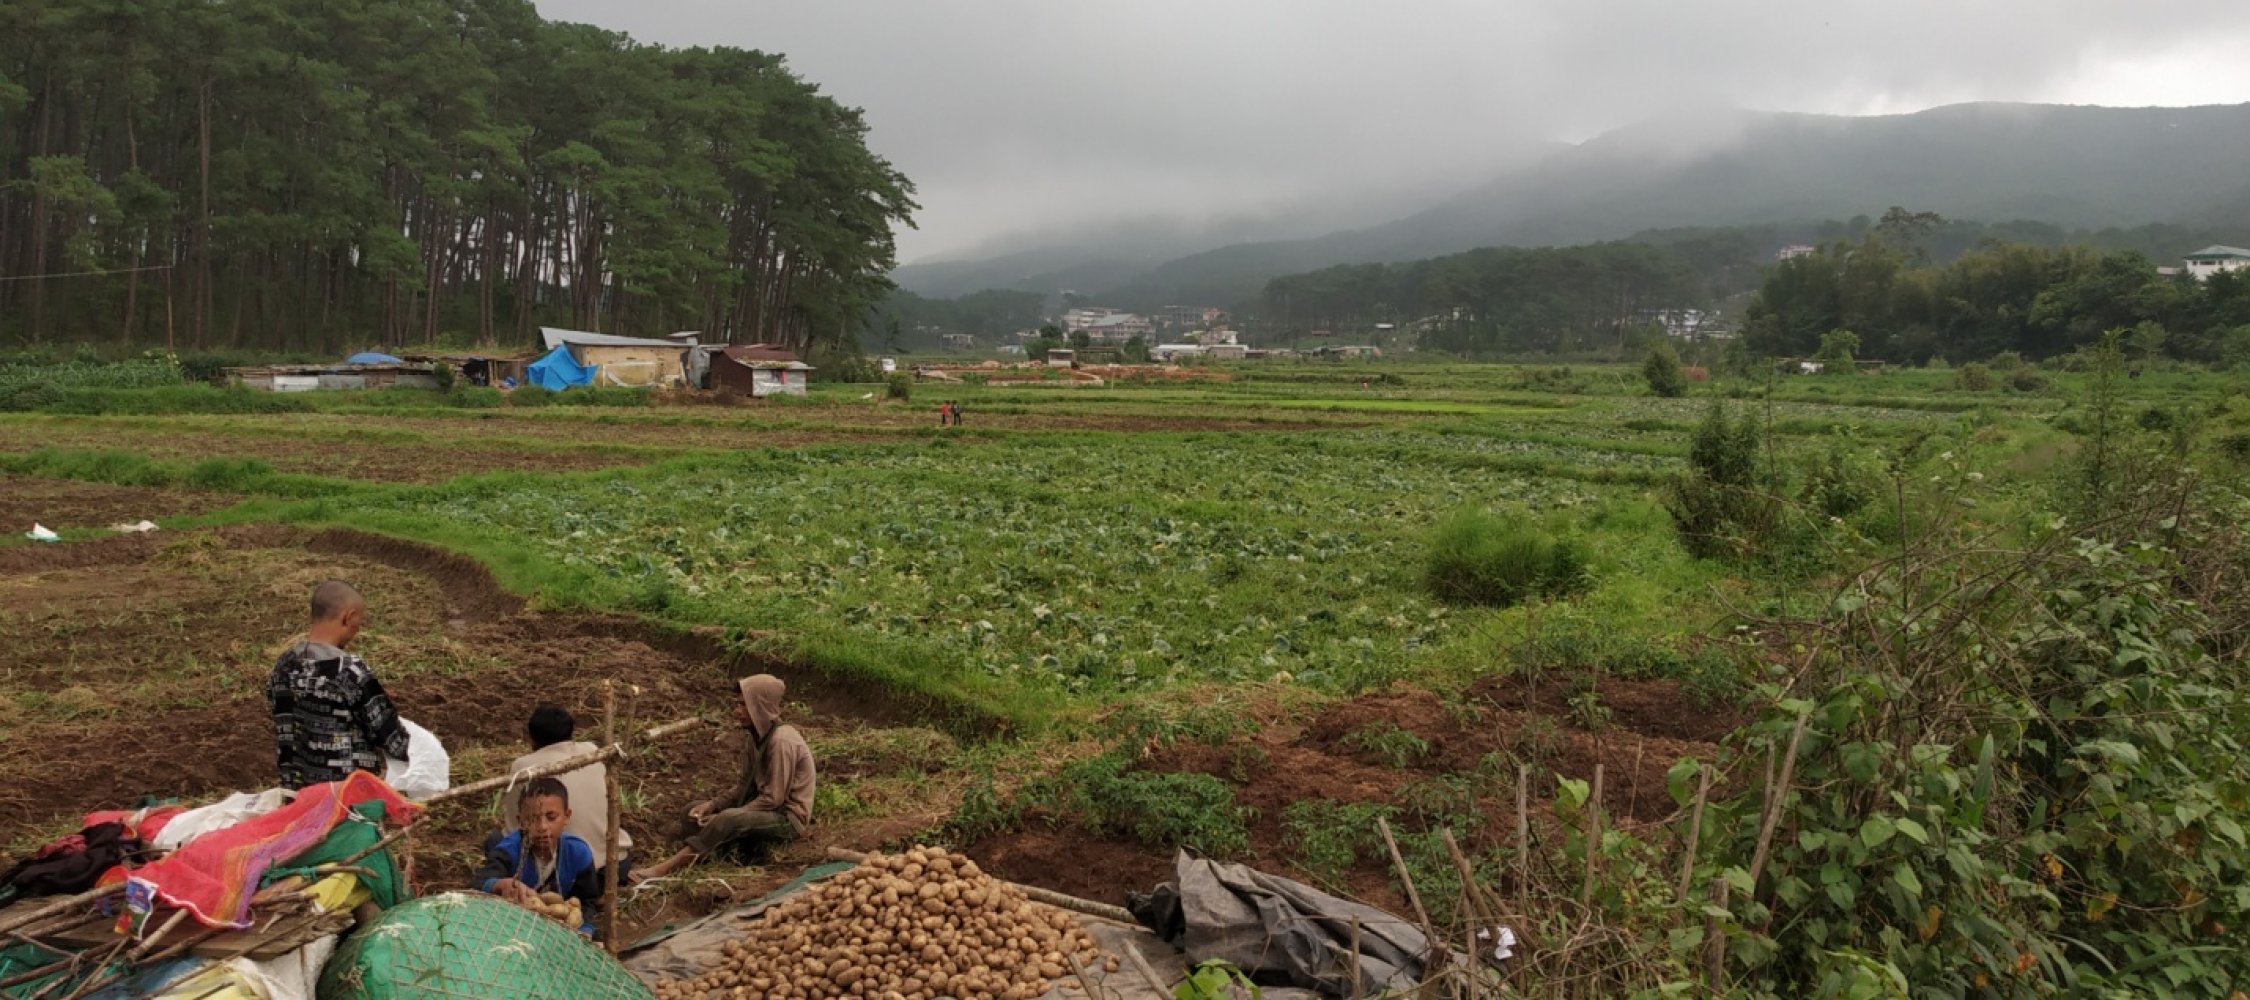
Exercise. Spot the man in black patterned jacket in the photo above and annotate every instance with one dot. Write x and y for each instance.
(330, 715)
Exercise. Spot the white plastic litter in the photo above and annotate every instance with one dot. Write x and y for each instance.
(144, 526)
(1503, 942)
(39, 533)
(427, 769)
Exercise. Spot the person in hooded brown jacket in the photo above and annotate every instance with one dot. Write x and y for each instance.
(772, 802)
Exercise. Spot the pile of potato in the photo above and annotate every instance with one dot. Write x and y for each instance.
(914, 926)
(554, 907)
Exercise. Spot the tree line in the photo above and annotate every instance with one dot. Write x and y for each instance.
(293, 175)
(2037, 301)
(1496, 300)
(907, 321)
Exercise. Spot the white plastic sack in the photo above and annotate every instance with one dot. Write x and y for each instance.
(427, 769)
(39, 533)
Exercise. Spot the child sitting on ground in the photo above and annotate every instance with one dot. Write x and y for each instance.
(540, 857)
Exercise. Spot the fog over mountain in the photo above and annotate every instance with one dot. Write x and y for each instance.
(1113, 137)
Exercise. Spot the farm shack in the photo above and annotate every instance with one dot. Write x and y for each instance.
(305, 378)
(635, 361)
(479, 367)
(758, 370)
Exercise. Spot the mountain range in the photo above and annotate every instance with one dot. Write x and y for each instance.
(2076, 167)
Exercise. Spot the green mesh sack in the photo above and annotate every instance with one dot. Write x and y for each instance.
(470, 945)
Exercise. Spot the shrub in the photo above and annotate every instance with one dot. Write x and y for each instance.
(1662, 372)
(1974, 377)
(1160, 810)
(604, 395)
(532, 395)
(27, 396)
(2026, 380)
(1478, 558)
(899, 386)
(177, 399)
(1718, 507)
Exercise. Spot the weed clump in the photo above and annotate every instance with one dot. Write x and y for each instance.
(1107, 795)
(1478, 558)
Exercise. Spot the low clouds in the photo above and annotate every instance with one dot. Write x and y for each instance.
(1289, 117)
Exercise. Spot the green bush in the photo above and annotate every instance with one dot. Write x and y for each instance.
(1662, 372)
(1161, 810)
(2026, 380)
(1974, 377)
(27, 396)
(1719, 507)
(139, 373)
(603, 395)
(176, 399)
(1479, 558)
(899, 386)
(532, 395)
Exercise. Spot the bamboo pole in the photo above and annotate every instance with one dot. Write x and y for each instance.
(1406, 878)
(616, 819)
(1523, 833)
(1593, 841)
(1694, 834)
(1050, 897)
(1776, 795)
(1715, 941)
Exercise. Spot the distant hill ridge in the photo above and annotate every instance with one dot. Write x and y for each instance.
(2073, 166)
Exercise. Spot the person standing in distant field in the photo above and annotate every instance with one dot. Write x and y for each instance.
(330, 715)
(945, 414)
(956, 412)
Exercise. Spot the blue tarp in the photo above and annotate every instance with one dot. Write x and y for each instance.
(558, 370)
(372, 358)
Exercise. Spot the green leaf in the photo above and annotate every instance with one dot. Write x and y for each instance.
(1876, 831)
(1572, 791)
(1907, 880)
(1912, 830)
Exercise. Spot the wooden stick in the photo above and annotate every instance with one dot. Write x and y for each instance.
(616, 819)
(1406, 878)
(1523, 833)
(61, 906)
(1085, 982)
(1694, 834)
(671, 728)
(1776, 796)
(1156, 982)
(1033, 893)
(1593, 841)
(148, 944)
(1715, 941)
(1148, 974)
(524, 776)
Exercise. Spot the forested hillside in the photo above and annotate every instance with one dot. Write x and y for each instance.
(293, 174)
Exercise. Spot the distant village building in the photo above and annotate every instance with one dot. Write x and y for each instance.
(2210, 260)
(758, 370)
(958, 341)
(1190, 316)
(1795, 250)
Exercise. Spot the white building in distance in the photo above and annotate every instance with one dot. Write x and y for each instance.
(2210, 260)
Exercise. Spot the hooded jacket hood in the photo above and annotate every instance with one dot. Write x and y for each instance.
(761, 694)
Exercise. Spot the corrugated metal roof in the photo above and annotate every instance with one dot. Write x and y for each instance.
(2219, 252)
(555, 337)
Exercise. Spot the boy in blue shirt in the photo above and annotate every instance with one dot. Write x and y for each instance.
(540, 857)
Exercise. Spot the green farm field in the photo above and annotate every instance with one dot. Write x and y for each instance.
(1087, 628)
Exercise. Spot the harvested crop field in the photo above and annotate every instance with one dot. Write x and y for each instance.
(67, 503)
(135, 666)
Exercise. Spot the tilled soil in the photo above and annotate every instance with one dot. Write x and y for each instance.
(1340, 756)
(134, 667)
(66, 503)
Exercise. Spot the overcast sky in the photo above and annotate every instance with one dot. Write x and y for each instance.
(1036, 115)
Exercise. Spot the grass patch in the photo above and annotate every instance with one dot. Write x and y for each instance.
(1475, 557)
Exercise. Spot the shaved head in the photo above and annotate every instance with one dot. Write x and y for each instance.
(331, 600)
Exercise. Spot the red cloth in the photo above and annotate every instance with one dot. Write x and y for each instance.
(140, 824)
(215, 875)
